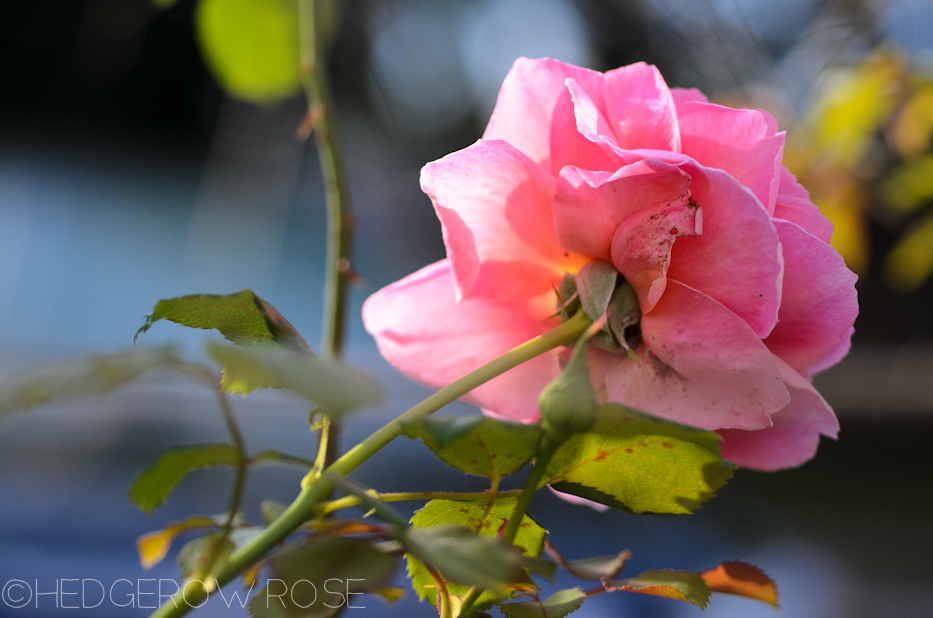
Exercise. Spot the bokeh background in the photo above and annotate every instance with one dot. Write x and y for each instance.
(128, 175)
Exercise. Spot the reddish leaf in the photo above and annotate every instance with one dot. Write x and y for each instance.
(743, 580)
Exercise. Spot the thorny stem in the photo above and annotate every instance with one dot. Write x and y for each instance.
(304, 505)
(312, 68)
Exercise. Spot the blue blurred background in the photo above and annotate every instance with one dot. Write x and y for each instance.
(126, 175)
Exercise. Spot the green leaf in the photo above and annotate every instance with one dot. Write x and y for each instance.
(243, 318)
(464, 557)
(88, 376)
(558, 605)
(595, 283)
(354, 563)
(329, 384)
(251, 46)
(271, 510)
(680, 585)
(590, 569)
(639, 463)
(197, 557)
(152, 486)
(478, 444)
(482, 517)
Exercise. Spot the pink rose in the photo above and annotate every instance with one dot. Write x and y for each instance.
(742, 298)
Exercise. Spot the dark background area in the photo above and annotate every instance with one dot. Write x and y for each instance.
(126, 175)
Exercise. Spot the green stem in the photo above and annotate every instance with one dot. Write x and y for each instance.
(350, 501)
(548, 447)
(442, 593)
(337, 270)
(339, 219)
(304, 505)
(237, 495)
(528, 491)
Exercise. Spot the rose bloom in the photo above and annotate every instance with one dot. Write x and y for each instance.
(742, 297)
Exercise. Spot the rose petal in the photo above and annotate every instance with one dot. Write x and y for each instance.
(739, 141)
(569, 145)
(494, 204)
(737, 259)
(589, 206)
(794, 435)
(790, 187)
(835, 354)
(640, 108)
(819, 302)
(591, 124)
(682, 95)
(426, 334)
(572, 499)
(526, 106)
(803, 212)
(700, 365)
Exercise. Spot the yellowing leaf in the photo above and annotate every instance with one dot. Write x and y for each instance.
(635, 462)
(850, 235)
(910, 185)
(483, 518)
(153, 546)
(251, 46)
(743, 580)
(910, 263)
(680, 585)
(914, 125)
(478, 444)
(853, 107)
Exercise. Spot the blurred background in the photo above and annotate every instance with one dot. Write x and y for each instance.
(127, 174)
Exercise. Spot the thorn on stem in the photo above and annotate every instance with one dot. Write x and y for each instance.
(309, 122)
(346, 270)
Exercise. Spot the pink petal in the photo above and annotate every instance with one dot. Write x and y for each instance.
(803, 212)
(640, 108)
(572, 499)
(737, 260)
(573, 142)
(700, 365)
(426, 334)
(835, 354)
(589, 206)
(819, 303)
(739, 141)
(682, 95)
(790, 187)
(494, 204)
(641, 243)
(591, 124)
(794, 436)
(527, 101)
